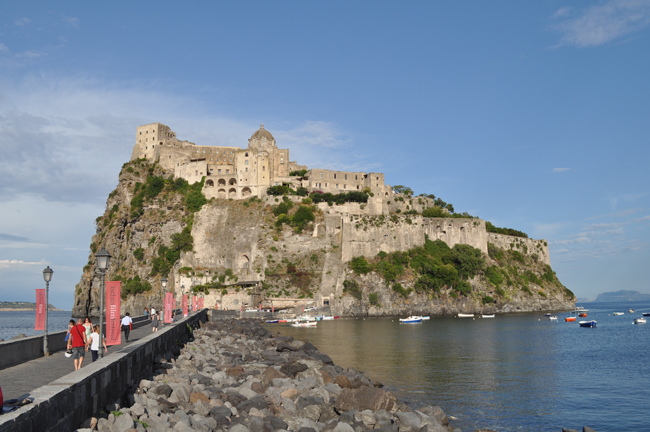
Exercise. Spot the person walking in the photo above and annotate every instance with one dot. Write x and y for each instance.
(94, 343)
(152, 312)
(71, 324)
(126, 325)
(88, 325)
(154, 323)
(146, 312)
(77, 343)
(160, 320)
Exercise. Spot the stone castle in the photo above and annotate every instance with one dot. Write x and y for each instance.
(233, 172)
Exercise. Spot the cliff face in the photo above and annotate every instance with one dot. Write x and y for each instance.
(284, 251)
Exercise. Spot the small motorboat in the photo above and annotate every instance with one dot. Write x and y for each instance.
(410, 320)
(591, 323)
(552, 318)
(582, 315)
(425, 318)
(570, 319)
(639, 321)
(463, 315)
(547, 314)
(581, 309)
(630, 310)
(646, 313)
(272, 321)
(305, 324)
(487, 316)
(619, 313)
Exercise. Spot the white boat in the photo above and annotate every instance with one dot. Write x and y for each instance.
(305, 324)
(410, 320)
(552, 318)
(425, 318)
(630, 310)
(619, 313)
(639, 321)
(487, 316)
(463, 315)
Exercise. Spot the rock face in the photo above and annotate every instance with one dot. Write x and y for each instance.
(236, 253)
(195, 391)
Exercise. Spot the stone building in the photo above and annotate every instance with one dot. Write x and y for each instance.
(233, 172)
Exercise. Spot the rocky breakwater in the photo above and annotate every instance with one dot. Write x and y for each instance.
(237, 376)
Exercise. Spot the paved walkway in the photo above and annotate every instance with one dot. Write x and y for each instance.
(19, 380)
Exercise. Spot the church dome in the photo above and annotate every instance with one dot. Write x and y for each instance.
(261, 138)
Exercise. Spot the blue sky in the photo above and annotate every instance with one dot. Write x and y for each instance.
(532, 115)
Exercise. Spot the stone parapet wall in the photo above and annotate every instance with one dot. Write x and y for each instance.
(65, 403)
(455, 231)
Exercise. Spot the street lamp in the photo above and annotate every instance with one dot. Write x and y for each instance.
(103, 259)
(163, 283)
(47, 276)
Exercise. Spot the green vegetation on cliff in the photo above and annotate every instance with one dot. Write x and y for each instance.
(509, 231)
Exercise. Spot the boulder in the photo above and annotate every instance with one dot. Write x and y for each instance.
(269, 374)
(408, 421)
(293, 368)
(123, 423)
(198, 396)
(365, 397)
(343, 427)
(587, 429)
(343, 382)
(437, 412)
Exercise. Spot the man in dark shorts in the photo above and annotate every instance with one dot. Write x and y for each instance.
(77, 342)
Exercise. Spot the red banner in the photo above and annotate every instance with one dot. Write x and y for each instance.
(200, 303)
(169, 306)
(185, 305)
(113, 320)
(193, 303)
(40, 309)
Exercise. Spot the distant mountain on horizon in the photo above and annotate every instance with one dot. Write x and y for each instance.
(23, 306)
(622, 296)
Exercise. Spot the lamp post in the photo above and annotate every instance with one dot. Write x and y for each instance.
(163, 283)
(103, 259)
(47, 276)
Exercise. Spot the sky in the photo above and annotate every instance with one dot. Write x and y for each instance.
(531, 115)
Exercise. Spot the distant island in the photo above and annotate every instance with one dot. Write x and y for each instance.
(622, 296)
(22, 306)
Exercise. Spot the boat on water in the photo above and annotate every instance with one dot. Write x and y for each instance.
(591, 323)
(552, 318)
(646, 313)
(329, 318)
(582, 315)
(630, 310)
(570, 319)
(487, 316)
(639, 321)
(581, 309)
(547, 314)
(410, 320)
(305, 324)
(462, 315)
(272, 321)
(425, 318)
(619, 313)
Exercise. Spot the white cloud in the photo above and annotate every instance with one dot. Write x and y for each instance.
(29, 54)
(11, 264)
(22, 21)
(599, 24)
(559, 170)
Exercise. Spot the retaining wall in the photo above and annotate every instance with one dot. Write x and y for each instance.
(21, 350)
(66, 403)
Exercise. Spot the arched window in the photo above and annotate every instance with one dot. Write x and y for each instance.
(246, 162)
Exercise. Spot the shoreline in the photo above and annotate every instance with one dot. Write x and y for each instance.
(28, 310)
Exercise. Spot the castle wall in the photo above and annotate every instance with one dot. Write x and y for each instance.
(455, 231)
(525, 246)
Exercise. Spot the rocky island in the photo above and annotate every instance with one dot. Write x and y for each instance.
(247, 227)
(22, 307)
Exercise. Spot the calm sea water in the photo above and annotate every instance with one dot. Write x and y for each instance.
(15, 323)
(511, 373)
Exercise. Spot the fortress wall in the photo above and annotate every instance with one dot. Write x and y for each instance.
(170, 157)
(455, 231)
(368, 235)
(525, 246)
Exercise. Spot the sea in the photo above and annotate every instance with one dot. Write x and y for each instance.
(15, 323)
(515, 372)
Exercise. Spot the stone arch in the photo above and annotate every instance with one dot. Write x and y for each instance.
(232, 193)
(209, 183)
(246, 192)
(244, 261)
(221, 182)
(221, 193)
(232, 181)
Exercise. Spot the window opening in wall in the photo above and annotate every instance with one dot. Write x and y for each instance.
(345, 186)
(227, 171)
(346, 176)
(246, 162)
(334, 175)
(263, 168)
(357, 186)
(337, 185)
(246, 154)
(219, 171)
(356, 177)
(246, 169)
(321, 175)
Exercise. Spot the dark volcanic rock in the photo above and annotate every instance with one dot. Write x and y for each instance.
(363, 398)
(291, 369)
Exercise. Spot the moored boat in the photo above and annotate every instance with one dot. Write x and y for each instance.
(582, 315)
(630, 310)
(646, 313)
(552, 318)
(487, 316)
(639, 321)
(547, 314)
(591, 323)
(570, 319)
(464, 315)
(619, 313)
(305, 324)
(272, 321)
(410, 320)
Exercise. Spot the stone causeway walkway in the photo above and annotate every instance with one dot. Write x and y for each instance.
(21, 379)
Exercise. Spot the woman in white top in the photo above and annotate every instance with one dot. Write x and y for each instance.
(126, 326)
(94, 343)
